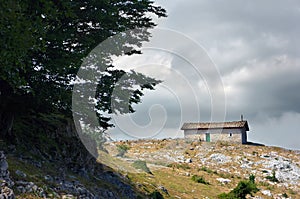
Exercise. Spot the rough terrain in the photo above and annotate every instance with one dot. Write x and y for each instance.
(222, 165)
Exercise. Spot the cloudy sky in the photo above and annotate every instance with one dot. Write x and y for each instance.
(218, 60)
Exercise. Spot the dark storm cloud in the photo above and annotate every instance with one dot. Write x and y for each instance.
(248, 35)
(255, 46)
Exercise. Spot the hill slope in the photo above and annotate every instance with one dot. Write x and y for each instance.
(222, 165)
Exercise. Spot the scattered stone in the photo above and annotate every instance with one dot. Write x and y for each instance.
(220, 158)
(21, 173)
(6, 183)
(48, 178)
(6, 193)
(223, 180)
(285, 170)
(163, 189)
(266, 192)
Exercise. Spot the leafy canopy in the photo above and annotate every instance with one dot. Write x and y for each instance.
(43, 43)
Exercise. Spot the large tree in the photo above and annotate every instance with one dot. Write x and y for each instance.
(43, 43)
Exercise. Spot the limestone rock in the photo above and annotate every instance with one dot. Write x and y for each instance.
(223, 180)
(5, 191)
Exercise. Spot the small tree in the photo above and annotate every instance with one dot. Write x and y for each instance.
(242, 189)
(252, 178)
(273, 177)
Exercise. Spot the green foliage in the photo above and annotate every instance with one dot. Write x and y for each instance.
(199, 179)
(273, 177)
(142, 165)
(43, 44)
(285, 195)
(225, 175)
(227, 196)
(207, 170)
(243, 189)
(122, 149)
(183, 166)
(252, 178)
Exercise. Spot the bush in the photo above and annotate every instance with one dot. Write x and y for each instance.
(207, 170)
(252, 178)
(273, 177)
(122, 149)
(183, 166)
(142, 165)
(285, 195)
(242, 190)
(199, 179)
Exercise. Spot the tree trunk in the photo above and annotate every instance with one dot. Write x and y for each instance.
(6, 116)
(6, 124)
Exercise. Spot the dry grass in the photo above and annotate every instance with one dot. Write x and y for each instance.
(177, 177)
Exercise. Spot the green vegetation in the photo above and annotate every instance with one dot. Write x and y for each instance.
(44, 43)
(225, 175)
(273, 177)
(142, 165)
(199, 179)
(285, 195)
(252, 178)
(243, 189)
(208, 170)
(122, 149)
(183, 166)
(292, 192)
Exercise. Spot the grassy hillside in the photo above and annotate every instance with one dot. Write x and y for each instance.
(160, 169)
(221, 166)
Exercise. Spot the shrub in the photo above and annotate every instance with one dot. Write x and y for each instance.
(241, 190)
(252, 178)
(208, 170)
(183, 166)
(199, 179)
(273, 177)
(244, 188)
(122, 149)
(142, 165)
(285, 195)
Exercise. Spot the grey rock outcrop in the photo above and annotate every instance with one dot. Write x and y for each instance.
(6, 183)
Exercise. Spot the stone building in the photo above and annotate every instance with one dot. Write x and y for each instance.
(235, 131)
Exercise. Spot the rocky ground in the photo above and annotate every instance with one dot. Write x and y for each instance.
(26, 177)
(222, 165)
(167, 173)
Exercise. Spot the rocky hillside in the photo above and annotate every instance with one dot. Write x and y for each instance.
(168, 167)
(29, 174)
(151, 169)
